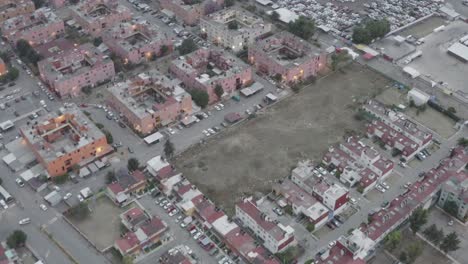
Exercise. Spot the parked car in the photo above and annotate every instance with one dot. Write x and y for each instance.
(130, 150)
(24, 221)
(67, 196)
(19, 182)
(43, 207)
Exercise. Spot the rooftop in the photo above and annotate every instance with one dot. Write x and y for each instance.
(54, 48)
(95, 10)
(243, 19)
(132, 35)
(40, 17)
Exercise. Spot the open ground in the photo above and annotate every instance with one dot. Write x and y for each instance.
(249, 157)
(102, 226)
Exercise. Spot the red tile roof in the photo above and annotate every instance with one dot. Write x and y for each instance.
(128, 242)
(115, 188)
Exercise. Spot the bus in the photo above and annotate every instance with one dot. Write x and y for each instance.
(5, 195)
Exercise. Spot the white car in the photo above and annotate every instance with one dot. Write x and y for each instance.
(380, 188)
(221, 105)
(3, 204)
(206, 133)
(183, 225)
(80, 198)
(24, 221)
(248, 112)
(171, 131)
(173, 212)
(352, 201)
(43, 207)
(67, 196)
(385, 185)
(197, 235)
(331, 244)
(211, 131)
(204, 115)
(217, 107)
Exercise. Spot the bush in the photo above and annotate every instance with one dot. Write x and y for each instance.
(80, 211)
(60, 179)
(310, 227)
(200, 97)
(16, 239)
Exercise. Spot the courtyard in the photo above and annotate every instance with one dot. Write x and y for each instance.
(250, 157)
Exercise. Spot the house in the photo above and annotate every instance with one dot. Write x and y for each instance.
(286, 57)
(62, 142)
(126, 184)
(351, 249)
(10, 8)
(190, 11)
(134, 218)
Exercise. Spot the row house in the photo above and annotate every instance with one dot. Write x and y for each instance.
(42, 26)
(190, 11)
(125, 184)
(10, 9)
(350, 249)
(205, 68)
(287, 56)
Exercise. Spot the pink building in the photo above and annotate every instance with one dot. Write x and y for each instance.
(150, 101)
(287, 55)
(57, 3)
(190, 11)
(94, 16)
(84, 66)
(204, 69)
(137, 42)
(37, 28)
(13, 8)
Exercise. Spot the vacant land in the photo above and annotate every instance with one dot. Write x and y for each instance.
(250, 157)
(423, 28)
(102, 226)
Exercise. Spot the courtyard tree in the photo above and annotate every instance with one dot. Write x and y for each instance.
(133, 164)
(164, 50)
(302, 27)
(187, 46)
(392, 240)
(418, 219)
(340, 57)
(169, 149)
(16, 239)
(434, 234)
(451, 207)
(200, 97)
(414, 251)
(451, 242)
(370, 30)
(219, 91)
(463, 142)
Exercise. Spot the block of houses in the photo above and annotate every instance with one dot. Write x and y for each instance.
(145, 232)
(136, 42)
(286, 57)
(150, 101)
(350, 249)
(125, 185)
(275, 237)
(205, 68)
(190, 11)
(40, 27)
(234, 28)
(62, 142)
(10, 8)
(69, 72)
(95, 16)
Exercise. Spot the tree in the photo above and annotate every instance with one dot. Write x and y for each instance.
(133, 164)
(403, 257)
(164, 50)
(219, 91)
(434, 234)
(169, 149)
(418, 219)
(451, 109)
(79, 211)
(200, 97)
(310, 227)
(274, 16)
(414, 251)
(16, 239)
(338, 58)
(187, 46)
(97, 41)
(127, 260)
(109, 137)
(463, 142)
(451, 207)
(451, 242)
(392, 240)
(26, 52)
(370, 30)
(12, 74)
(228, 3)
(233, 25)
(110, 177)
(361, 35)
(1, 181)
(5, 57)
(302, 27)
(60, 179)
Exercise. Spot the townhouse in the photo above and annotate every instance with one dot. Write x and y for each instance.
(125, 185)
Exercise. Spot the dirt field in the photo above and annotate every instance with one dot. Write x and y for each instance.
(251, 156)
(423, 28)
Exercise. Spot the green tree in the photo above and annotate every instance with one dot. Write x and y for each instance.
(187, 46)
(451, 207)
(109, 137)
(418, 219)
(434, 234)
(361, 35)
(392, 240)
(302, 27)
(274, 16)
(110, 177)
(38, 3)
(233, 25)
(79, 211)
(60, 179)
(338, 58)
(463, 142)
(200, 97)
(403, 257)
(219, 91)
(310, 227)
(378, 28)
(127, 260)
(5, 57)
(169, 149)
(164, 50)
(12, 74)
(16, 239)
(26, 52)
(414, 251)
(97, 41)
(133, 164)
(451, 242)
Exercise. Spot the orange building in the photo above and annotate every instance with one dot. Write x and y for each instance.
(3, 67)
(65, 141)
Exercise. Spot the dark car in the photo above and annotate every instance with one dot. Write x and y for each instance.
(130, 150)
(122, 124)
(11, 84)
(16, 114)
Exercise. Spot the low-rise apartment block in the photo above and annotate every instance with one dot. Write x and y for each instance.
(276, 237)
(64, 141)
(204, 69)
(137, 42)
(190, 11)
(125, 184)
(83, 66)
(287, 56)
(95, 16)
(10, 8)
(234, 28)
(40, 27)
(455, 190)
(149, 101)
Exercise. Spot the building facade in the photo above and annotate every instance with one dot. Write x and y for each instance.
(456, 190)
(10, 9)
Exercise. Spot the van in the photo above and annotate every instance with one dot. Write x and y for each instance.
(24, 221)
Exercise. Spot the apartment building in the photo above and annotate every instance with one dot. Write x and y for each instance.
(65, 141)
(40, 27)
(275, 237)
(205, 68)
(137, 42)
(287, 56)
(190, 11)
(83, 66)
(456, 190)
(10, 8)
(149, 101)
(95, 16)
(233, 28)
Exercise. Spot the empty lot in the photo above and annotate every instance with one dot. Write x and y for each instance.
(251, 156)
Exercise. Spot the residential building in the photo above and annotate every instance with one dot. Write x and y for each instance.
(42, 26)
(351, 249)
(57, 3)
(190, 11)
(83, 66)
(204, 69)
(287, 57)
(65, 141)
(234, 28)
(54, 47)
(137, 42)
(134, 218)
(177, 255)
(10, 8)
(456, 190)
(95, 16)
(150, 101)
(125, 184)
(275, 237)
